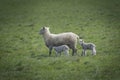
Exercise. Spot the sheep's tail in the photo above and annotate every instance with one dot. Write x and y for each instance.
(78, 39)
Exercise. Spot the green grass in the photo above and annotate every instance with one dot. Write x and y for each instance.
(24, 56)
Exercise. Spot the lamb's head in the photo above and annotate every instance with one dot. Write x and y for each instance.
(81, 41)
(44, 30)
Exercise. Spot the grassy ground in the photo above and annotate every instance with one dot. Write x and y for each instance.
(23, 55)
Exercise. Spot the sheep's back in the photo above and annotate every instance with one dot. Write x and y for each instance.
(63, 38)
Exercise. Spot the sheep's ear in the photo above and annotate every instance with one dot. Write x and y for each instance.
(48, 27)
(43, 28)
(80, 40)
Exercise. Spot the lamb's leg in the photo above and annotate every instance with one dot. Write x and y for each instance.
(56, 53)
(66, 52)
(73, 51)
(94, 51)
(83, 52)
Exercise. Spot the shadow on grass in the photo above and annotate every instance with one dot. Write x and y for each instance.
(40, 56)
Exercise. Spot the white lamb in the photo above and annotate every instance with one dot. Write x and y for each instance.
(87, 46)
(60, 49)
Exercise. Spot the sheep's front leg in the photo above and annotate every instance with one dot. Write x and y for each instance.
(73, 51)
(50, 51)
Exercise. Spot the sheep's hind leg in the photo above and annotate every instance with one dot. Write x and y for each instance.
(66, 52)
(94, 51)
(56, 54)
(74, 52)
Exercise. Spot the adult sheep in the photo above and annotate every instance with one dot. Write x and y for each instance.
(51, 40)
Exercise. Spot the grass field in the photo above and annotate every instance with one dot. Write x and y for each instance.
(24, 56)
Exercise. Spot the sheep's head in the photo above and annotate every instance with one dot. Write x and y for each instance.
(44, 30)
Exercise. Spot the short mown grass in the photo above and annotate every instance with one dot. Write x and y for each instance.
(24, 56)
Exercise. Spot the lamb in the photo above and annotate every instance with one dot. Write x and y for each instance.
(67, 38)
(60, 49)
(87, 46)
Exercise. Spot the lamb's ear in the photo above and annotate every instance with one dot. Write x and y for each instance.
(80, 40)
(43, 28)
(48, 27)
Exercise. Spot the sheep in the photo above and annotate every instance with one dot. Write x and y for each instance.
(68, 38)
(87, 46)
(60, 49)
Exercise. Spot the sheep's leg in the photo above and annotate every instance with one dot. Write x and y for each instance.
(56, 54)
(83, 52)
(74, 51)
(93, 51)
(66, 52)
(50, 51)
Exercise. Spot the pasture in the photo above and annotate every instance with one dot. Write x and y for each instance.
(24, 56)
